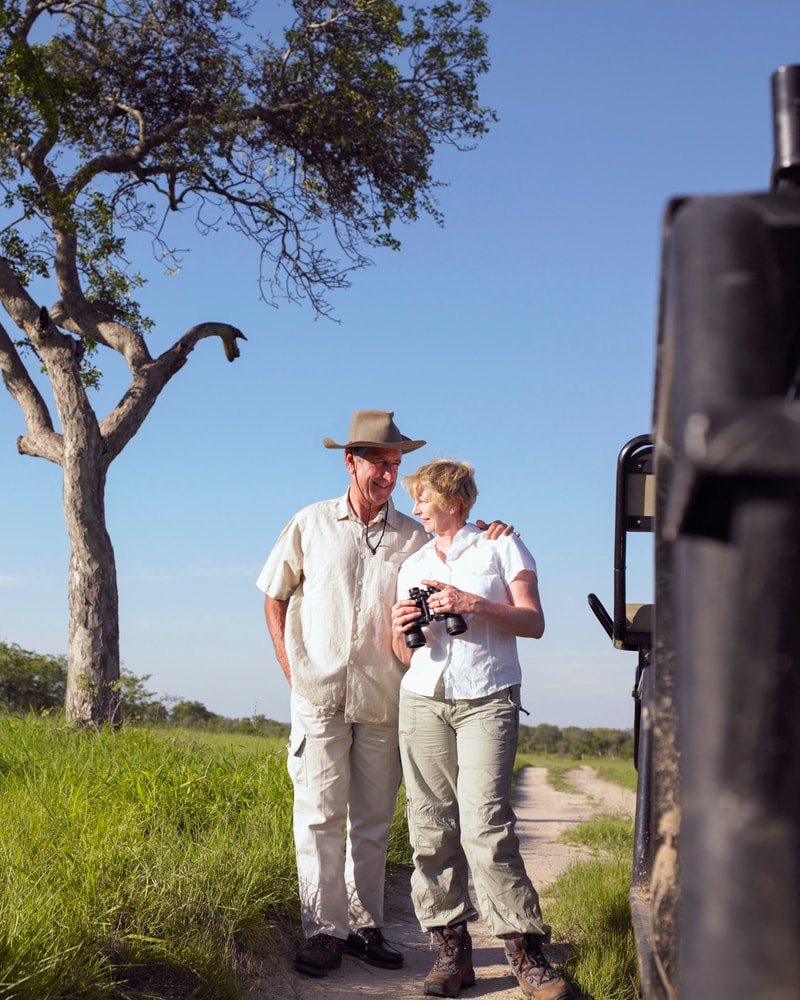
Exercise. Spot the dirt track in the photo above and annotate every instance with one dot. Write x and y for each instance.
(543, 814)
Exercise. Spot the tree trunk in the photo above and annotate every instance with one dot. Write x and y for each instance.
(85, 449)
(93, 670)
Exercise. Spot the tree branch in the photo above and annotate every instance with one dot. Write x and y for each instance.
(130, 413)
(87, 319)
(40, 439)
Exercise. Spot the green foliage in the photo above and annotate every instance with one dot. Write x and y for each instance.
(36, 682)
(134, 863)
(607, 833)
(399, 856)
(575, 742)
(188, 713)
(588, 906)
(621, 771)
(136, 703)
(141, 863)
(120, 114)
(31, 682)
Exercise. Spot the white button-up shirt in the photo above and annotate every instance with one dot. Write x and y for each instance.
(482, 660)
(339, 619)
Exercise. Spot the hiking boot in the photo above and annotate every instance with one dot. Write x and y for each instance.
(453, 966)
(369, 944)
(535, 974)
(321, 953)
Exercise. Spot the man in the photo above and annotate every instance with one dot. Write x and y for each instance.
(329, 586)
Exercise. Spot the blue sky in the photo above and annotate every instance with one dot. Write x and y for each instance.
(519, 337)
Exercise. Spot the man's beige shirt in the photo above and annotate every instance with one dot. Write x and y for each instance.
(339, 619)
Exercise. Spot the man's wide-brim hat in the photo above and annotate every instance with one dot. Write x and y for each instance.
(375, 429)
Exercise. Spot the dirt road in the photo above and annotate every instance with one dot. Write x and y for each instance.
(543, 814)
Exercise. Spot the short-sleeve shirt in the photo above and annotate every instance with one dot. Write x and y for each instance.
(482, 660)
(340, 593)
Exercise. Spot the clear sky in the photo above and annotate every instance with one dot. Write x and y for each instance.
(519, 337)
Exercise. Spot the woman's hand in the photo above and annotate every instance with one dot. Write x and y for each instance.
(521, 616)
(450, 600)
(403, 614)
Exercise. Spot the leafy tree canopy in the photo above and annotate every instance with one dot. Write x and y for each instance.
(31, 681)
(126, 111)
(116, 115)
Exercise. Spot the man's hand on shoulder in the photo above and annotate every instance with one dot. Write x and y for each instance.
(496, 529)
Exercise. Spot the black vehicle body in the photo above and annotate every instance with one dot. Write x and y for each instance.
(715, 893)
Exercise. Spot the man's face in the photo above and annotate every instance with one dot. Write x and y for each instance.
(375, 475)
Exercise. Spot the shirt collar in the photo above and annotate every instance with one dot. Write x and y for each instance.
(344, 512)
(464, 538)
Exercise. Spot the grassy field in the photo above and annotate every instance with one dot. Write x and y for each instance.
(135, 861)
(621, 772)
(145, 863)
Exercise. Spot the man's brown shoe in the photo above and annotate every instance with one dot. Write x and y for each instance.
(535, 974)
(453, 966)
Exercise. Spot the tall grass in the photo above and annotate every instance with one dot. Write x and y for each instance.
(135, 864)
(589, 907)
(145, 863)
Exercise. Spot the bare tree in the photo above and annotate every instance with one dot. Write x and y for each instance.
(114, 114)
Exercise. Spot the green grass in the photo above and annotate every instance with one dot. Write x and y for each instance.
(621, 772)
(148, 863)
(589, 907)
(134, 861)
(588, 904)
(616, 769)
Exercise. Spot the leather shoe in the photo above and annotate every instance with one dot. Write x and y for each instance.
(321, 953)
(368, 944)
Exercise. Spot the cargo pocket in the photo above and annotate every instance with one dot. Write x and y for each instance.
(297, 765)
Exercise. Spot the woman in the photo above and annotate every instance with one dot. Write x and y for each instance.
(459, 721)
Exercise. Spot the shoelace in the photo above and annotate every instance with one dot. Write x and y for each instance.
(450, 947)
(536, 967)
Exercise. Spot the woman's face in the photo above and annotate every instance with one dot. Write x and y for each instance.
(435, 519)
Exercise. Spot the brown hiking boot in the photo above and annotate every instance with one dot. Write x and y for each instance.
(453, 966)
(535, 974)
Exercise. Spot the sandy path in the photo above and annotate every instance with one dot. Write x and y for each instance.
(543, 814)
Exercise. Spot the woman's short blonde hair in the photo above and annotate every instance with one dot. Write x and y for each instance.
(446, 481)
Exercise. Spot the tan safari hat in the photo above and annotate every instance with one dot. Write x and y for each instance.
(375, 429)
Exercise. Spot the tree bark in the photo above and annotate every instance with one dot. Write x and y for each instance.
(94, 664)
(93, 671)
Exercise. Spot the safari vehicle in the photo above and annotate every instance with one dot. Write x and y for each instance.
(715, 893)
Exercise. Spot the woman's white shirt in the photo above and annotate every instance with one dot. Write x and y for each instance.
(482, 660)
